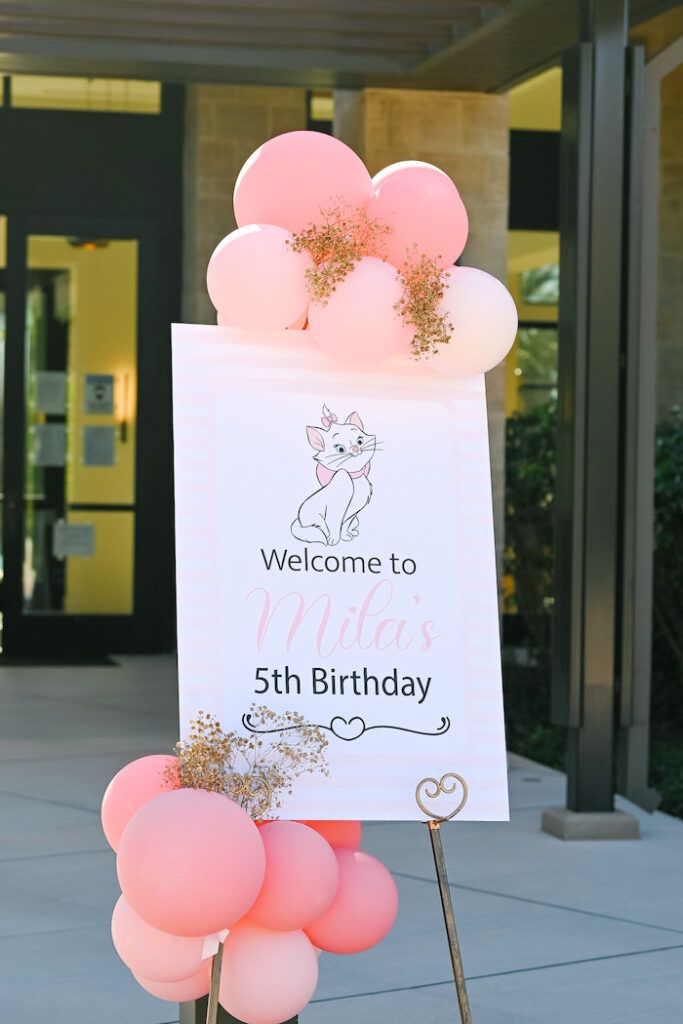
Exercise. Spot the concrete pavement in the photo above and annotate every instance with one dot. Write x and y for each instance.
(551, 932)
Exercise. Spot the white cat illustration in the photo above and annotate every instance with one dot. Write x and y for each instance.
(343, 455)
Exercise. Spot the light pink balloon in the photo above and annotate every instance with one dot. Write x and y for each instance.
(299, 324)
(484, 319)
(423, 207)
(339, 833)
(291, 178)
(150, 952)
(191, 862)
(301, 877)
(267, 977)
(132, 787)
(184, 991)
(359, 325)
(364, 908)
(255, 280)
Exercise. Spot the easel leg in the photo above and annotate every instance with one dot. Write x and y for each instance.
(212, 1005)
(449, 918)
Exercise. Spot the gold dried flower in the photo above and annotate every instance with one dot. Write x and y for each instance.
(255, 771)
(335, 243)
(424, 285)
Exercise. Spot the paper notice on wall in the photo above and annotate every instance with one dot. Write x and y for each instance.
(49, 444)
(99, 446)
(73, 540)
(50, 392)
(98, 394)
(335, 558)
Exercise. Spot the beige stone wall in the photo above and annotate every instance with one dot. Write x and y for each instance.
(670, 297)
(224, 124)
(467, 135)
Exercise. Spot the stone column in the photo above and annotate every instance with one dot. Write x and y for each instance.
(224, 124)
(467, 135)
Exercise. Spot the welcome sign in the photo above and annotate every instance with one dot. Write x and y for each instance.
(335, 557)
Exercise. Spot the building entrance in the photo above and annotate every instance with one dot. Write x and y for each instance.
(85, 303)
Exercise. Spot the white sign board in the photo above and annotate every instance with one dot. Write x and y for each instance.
(50, 394)
(71, 540)
(49, 444)
(98, 394)
(99, 446)
(335, 557)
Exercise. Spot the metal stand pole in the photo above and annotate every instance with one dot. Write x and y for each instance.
(212, 1005)
(449, 919)
(427, 791)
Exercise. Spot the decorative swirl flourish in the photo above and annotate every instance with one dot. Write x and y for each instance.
(349, 729)
(432, 790)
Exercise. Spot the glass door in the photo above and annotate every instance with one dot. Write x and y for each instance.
(76, 557)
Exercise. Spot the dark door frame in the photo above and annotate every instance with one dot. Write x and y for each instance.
(112, 176)
(149, 628)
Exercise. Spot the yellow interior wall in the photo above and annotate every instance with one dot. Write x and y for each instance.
(103, 584)
(526, 250)
(535, 105)
(102, 340)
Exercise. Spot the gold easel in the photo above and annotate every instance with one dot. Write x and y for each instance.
(431, 789)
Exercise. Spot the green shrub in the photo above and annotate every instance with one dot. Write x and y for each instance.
(530, 487)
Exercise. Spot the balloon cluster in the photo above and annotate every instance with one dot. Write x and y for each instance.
(196, 870)
(258, 277)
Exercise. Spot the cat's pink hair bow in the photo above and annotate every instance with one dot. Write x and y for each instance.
(328, 418)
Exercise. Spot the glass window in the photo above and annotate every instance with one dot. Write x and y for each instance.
(50, 92)
(80, 388)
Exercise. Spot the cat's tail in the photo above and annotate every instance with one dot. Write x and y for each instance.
(308, 534)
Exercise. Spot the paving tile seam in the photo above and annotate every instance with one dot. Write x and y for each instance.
(543, 903)
(53, 931)
(52, 803)
(61, 853)
(499, 974)
(100, 705)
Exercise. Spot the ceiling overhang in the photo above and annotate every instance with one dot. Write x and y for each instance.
(480, 45)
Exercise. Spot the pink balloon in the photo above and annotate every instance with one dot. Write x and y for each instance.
(484, 319)
(364, 908)
(291, 178)
(359, 325)
(184, 991)
(299, 324)
(338, 833)
(301, 877)
(151, 953)
(191, 862)
(256, 280)
(132, 787)
(423, 207)
(267, 977)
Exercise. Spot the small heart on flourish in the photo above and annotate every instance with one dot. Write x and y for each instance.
(349, 729)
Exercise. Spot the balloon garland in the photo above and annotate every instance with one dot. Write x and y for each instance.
(363, 269)
(198, 867)
(365, 266)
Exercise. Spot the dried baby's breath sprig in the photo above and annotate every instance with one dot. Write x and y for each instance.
(247, 768)
(424, 285)
(335, 243)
